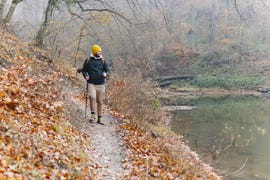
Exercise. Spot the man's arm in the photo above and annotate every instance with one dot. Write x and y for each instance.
(106, 68)
(84, 70)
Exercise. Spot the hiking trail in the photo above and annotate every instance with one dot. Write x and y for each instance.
(106, 149)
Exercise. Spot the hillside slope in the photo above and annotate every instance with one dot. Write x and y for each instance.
(35, 139)
(43, 134)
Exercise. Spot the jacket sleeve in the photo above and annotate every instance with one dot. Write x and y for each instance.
(106, 68)
(84, 69)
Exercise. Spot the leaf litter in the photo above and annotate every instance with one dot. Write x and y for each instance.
(43, 134)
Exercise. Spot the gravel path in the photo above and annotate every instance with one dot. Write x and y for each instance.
(106, 150)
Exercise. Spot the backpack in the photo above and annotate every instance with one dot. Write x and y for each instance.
(88, 59)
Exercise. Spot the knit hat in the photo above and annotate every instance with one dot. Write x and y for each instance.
(96, 49)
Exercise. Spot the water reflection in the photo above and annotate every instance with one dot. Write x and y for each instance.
(227, 132)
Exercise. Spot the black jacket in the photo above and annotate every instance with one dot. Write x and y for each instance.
(94, 67)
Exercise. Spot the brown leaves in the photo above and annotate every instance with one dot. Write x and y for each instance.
(148, 158)
(136, 97)
(35, 140)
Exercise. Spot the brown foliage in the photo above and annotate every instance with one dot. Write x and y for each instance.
(161, 158)
(133, 96)
(35, 140)
(174, 58)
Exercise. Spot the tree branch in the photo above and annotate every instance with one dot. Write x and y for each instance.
(74, 14)
(238, 12)
(112, 11)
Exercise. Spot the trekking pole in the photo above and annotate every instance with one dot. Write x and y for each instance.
(107, 97)
(86, 93)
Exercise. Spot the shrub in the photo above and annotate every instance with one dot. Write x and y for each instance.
(231, 82)
(135, 97)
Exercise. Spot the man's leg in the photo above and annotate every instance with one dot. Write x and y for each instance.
(100, 90)
(92, 94)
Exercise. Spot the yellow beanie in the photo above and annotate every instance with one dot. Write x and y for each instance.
(96, 49)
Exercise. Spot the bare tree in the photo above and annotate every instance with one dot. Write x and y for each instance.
(241, 42)
(83, 6)
(213, 18)
(7, 18)
(191, 32)
(39, 39)
(2, 8)
(11, 10)
(238, 12)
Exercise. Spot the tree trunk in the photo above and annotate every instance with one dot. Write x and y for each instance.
(191, 32)
(11, 10)
(78, 48)
(2, 9)
(241, 43)
(264, 30)
(39, 39)
(213, 18)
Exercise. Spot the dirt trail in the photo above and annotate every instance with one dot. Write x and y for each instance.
(106, 150)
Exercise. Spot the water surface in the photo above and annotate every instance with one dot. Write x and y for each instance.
(232, 133)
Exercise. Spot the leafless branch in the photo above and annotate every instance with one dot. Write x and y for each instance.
(236, 173)
(74, 14)
(109, 10)
(78, 48)
(162, 11)
(238, 12)
(240, 170)
(137, 7)
(263, 2)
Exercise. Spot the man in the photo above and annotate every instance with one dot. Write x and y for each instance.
(95, 71)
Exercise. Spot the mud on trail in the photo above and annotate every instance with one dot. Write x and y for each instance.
(106, 150)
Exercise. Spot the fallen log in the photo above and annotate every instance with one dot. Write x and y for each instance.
(172, 78)
(168, 80)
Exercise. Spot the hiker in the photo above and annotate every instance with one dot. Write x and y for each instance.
(95, 71)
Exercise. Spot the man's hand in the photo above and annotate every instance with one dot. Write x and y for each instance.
(104, 74)
(87, 77)
(79, 70)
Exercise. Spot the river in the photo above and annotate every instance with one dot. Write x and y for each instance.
(231, 133)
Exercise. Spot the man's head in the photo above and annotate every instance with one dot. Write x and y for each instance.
(96, 50)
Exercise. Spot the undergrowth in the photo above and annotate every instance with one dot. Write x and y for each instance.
(213, 70)
(227, 82)
(136, 98)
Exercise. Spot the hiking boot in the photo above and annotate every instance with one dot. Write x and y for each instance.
(93, 118)
(100, 120)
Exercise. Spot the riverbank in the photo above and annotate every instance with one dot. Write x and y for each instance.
(229, 132)
(174, 92)
(44, 134)
(155, 152)
(172, 95)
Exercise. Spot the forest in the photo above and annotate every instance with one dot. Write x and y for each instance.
(189, 55)
(219, 41)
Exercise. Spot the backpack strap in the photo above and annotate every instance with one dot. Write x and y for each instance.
(88, 60)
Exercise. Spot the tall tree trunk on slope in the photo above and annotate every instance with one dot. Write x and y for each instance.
(2, 9)
(39, 39)
(11, 10)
